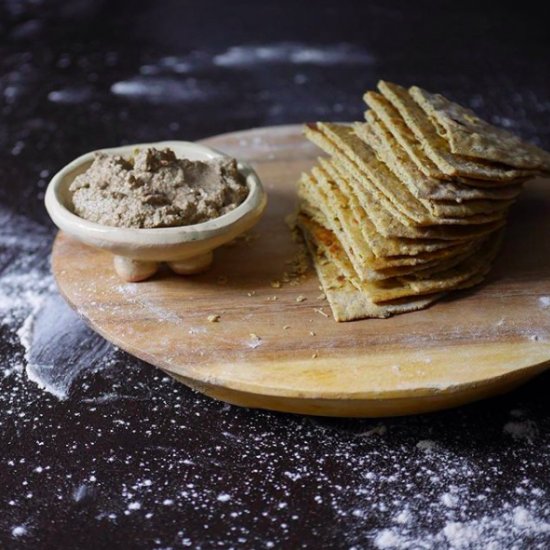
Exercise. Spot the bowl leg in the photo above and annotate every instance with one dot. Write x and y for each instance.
(198, 264)
(133, 271)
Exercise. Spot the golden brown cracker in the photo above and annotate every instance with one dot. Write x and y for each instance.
(417, 183)
(436, 147)
(349, 301)
(470, 189)
(389, 223)
(470, 136)
(474, 266)
(344, 143)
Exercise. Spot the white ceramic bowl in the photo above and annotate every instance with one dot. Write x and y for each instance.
(138, 252)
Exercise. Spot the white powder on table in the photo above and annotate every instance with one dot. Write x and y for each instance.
(525, 429)
(19, 531)
(53, 342)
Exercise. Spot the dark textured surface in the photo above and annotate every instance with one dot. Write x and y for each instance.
(131, 459)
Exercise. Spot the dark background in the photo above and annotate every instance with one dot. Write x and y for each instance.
(130, 458)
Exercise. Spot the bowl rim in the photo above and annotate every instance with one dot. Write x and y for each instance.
(70, 222)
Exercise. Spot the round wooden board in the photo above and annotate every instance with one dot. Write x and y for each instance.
(271, 351)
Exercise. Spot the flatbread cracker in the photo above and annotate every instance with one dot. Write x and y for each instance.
(469, 189)
(361, 233)
(347, 301)
(411, 203)
(345, 201)
(346, 143)
(435, 254)
(367, 266)
(388, 222)
(362, 270)
(363, 265)
(436, 147)
(470, 136)
(360, 246)
(397, 251)
(421, 185)
(387, 149)
(382, 292)
(477, 265)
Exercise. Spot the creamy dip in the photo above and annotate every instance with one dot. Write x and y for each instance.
(156, 189)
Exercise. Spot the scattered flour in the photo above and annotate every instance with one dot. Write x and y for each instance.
(503, 121)
(171, 79)
(404, 517)
(74, 95)
(182, 80)
(495, 532)
(427, 445)
(295, 53)
(525, 430)
(377, 430)
(254, 341)
(544, 302)
(164, 89)
(55, 344)
(254, 55)
(450, 500)
(59, 347)
(80, 493)
(170, 63)
(388, 539)
(19, 531)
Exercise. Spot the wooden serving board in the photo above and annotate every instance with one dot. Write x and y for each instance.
(271, 351)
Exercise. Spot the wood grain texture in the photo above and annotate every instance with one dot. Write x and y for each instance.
(262, 352)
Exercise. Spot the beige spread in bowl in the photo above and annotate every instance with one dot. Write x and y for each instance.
(154, 188)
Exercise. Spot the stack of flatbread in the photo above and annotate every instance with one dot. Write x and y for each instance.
(409, 204)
